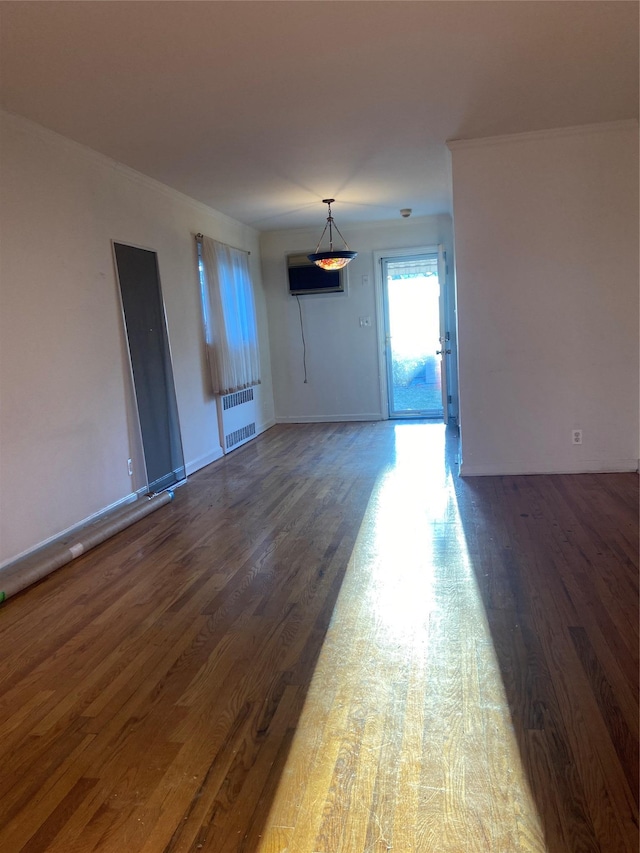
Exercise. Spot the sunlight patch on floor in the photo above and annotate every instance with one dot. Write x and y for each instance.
(406, 742)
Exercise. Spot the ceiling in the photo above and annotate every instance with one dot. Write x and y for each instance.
(261, 109)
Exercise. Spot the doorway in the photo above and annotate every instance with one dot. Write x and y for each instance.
(413, 315)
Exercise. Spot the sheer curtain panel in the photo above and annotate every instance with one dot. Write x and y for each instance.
(231, 333)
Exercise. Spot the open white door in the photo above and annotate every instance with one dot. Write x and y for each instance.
(444, 350)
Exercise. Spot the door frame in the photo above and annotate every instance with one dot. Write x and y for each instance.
(378, 256)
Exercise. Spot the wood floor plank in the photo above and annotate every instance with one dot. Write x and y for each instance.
(583, 759)
(330, 643)
(623, 738)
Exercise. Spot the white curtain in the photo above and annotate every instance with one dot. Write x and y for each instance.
(230, 318)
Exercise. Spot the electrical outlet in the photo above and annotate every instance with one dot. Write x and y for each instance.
(130, 467)
(576, 436)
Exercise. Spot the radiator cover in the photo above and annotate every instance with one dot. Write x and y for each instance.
(237, 418)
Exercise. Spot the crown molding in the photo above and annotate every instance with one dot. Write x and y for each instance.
(93, 156)
(551, 133)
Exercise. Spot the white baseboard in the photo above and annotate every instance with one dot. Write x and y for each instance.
(203, 461)
(330, 419)
(190, 468)
(127, 499)
(260, 428)
(517, 469)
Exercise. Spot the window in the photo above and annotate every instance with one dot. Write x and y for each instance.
(231, 333)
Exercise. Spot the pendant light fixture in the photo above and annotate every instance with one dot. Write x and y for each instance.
(333, 259)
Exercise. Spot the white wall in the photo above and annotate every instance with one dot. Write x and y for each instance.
(342, 358)
(65, 419)
(546, 228)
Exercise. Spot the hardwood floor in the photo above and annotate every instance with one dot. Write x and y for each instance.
(329, 643)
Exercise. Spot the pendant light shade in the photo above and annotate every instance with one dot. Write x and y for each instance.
(333, 259)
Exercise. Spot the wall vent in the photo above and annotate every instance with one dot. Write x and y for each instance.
(237, 418)
(229, 401)
(239, 435)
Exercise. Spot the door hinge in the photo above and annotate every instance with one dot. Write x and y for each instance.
(449, 399)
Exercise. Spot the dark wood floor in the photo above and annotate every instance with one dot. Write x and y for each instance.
(329, 643)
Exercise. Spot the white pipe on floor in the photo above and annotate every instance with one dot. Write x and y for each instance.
(17, 576)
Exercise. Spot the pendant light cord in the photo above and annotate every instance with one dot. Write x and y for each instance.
(330, 224)
(304, 345)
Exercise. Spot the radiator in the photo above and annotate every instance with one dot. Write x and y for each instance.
(237, 418)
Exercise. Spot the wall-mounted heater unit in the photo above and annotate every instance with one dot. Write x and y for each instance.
(237, 418)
